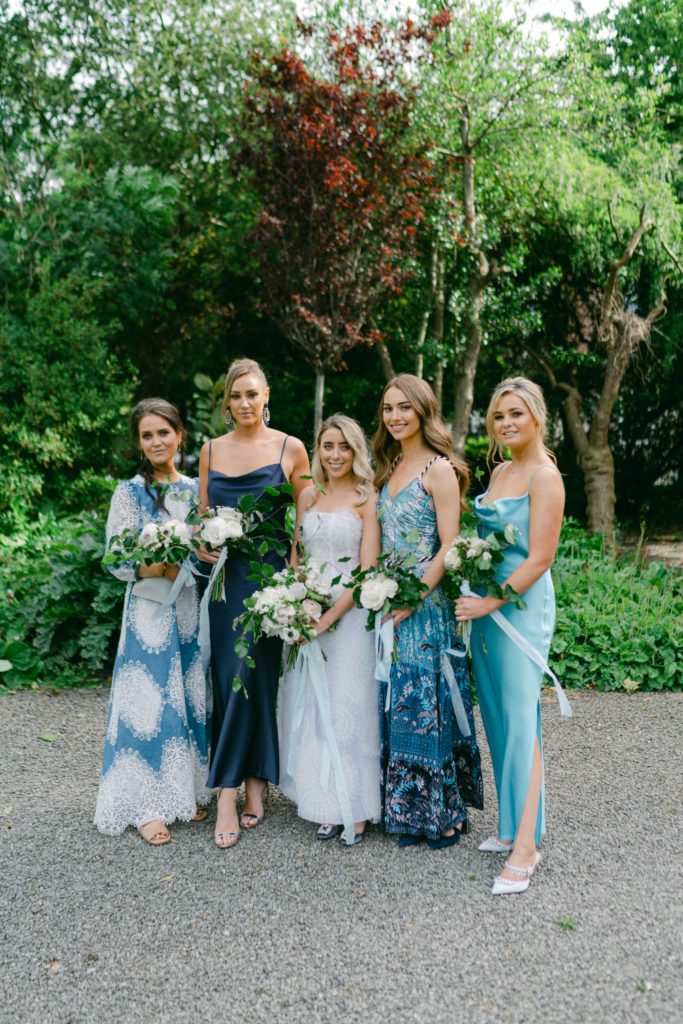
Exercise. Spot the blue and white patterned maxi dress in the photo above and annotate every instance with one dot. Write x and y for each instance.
(430, 771)
(155, 761)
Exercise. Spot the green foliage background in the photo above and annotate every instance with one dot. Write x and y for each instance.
(126, 270)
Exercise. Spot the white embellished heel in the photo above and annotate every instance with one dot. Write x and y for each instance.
(494, 845)
(503, 886)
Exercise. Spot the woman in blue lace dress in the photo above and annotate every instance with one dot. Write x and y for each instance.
(430, 764)
(155, 762)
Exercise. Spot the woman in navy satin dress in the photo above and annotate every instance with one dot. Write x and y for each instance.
(245, 461)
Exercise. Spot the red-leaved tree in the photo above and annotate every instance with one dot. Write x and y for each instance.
(342, 184)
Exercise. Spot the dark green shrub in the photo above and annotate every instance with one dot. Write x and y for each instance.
(59, 611)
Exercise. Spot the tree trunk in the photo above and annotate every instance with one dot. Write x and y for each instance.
(597, 466)
(385, 359)
(318, 401)
(466, 370)
(439, 327)
(426, 312)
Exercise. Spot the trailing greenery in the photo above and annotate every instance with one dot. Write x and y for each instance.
(619, 620)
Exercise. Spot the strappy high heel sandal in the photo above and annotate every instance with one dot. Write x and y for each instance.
(504, 886)
(249, 820)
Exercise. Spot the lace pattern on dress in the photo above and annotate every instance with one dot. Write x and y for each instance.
(132, 793)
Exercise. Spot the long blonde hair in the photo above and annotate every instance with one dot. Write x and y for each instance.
(355, 438)
(434, 431)
(532, 396)
(238, 368)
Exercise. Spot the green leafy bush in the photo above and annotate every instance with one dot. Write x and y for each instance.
(59, 611)
(619, 620)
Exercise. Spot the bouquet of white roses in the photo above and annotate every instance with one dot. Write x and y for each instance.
(288, 607)
(219, 529)
(391, 584)
(472, 561)
(169, 541)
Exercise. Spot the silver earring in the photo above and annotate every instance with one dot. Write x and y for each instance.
(266, 415)
(229, 421)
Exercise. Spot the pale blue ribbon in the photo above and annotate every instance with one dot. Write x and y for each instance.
(456, 696)
(126, 602)
(526, 648)
(384, 652)
(309, 671)
(184, 578)
(204, 637)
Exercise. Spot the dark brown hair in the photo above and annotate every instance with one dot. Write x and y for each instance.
(168, 412)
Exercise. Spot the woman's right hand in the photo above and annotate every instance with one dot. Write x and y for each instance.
(207, 556)
(150, 572)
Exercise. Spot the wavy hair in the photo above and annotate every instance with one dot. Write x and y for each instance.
(355, 438)
(532, 396)
(168, 412)
(238, 368)
(434, 431)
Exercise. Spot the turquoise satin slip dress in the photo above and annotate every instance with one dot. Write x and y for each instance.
(508, 682)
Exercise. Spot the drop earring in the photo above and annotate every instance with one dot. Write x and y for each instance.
(229, 421)
(266, 415)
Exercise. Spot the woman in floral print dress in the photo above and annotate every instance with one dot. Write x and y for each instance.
(430, 765)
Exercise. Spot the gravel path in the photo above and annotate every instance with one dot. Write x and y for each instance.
(283, 929)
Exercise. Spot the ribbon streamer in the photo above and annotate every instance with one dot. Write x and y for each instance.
(309, 671)
(526, 648)
(204, 637)
(456, 696)
(184, 578)
(384, 652)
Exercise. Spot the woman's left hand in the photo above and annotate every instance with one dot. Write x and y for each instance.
(398, 615)
(171, 571)
(468, 608)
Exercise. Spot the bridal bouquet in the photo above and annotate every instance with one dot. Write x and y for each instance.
(287, 606)
(471, 563)
(169, 541)
(390, 584)
(218, 530)
(250, 528)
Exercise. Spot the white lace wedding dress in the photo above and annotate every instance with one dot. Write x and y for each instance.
(350, 671)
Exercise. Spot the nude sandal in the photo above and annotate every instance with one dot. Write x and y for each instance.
(159, 837)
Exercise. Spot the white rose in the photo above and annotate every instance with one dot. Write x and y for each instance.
(180, 531)
(322, 587)
(452, 561)
(391, 587)
(149, 536)
(269, 627)
(284, 613)
(374, 593)
(485, 559)
(511, 533)
(215, 532)
(312, 609)
(297, 591)
(232, 519)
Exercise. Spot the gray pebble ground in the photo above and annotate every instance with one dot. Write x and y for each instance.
(284, 929)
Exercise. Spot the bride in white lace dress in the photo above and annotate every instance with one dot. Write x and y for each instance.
(337, 522)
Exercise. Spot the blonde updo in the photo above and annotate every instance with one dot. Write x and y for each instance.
(532, 396)
(356, 440)
(238, 368)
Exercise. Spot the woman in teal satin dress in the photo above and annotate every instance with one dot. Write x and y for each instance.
(525, 490)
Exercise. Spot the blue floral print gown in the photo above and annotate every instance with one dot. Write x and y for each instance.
(430, 771)
(155, 761)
